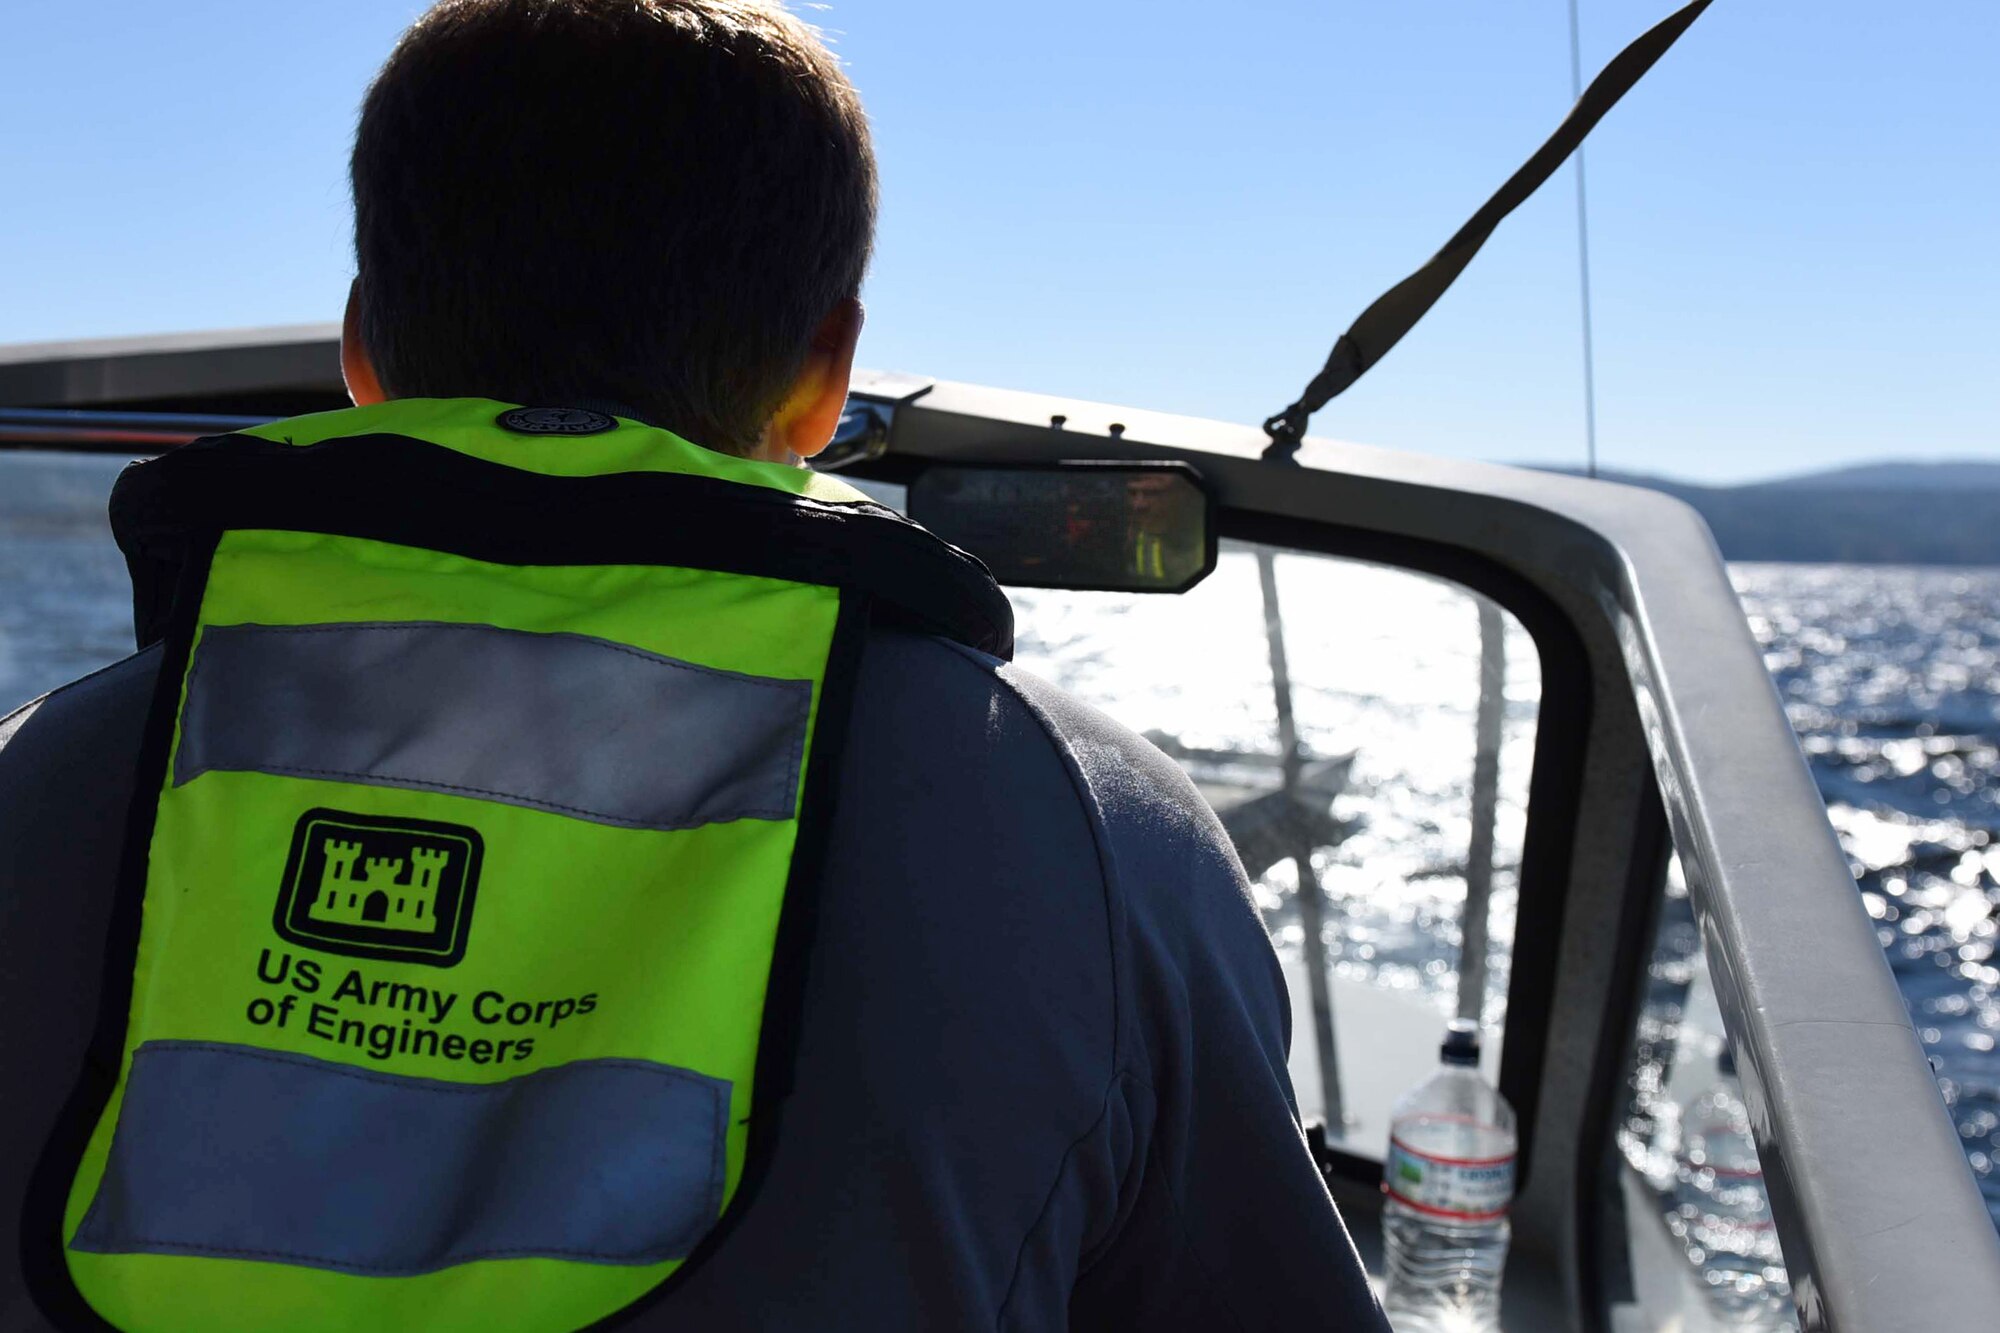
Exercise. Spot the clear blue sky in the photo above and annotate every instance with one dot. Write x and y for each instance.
(1178, 205)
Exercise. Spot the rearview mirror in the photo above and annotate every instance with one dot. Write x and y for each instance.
(1113, 527)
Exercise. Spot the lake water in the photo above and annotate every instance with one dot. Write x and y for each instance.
(1891, 678)
(1892, 681)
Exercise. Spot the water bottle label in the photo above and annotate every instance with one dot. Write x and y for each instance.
(1468, 1189)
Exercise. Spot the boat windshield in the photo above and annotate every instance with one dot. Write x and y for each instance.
(1373, 724)
(1380, 672)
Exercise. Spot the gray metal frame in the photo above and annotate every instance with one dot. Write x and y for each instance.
(1882, 1225)
(198, 368)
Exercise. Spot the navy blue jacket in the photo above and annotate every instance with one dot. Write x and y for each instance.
(1041, 1078)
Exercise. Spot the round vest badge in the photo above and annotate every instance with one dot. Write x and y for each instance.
(555, 421)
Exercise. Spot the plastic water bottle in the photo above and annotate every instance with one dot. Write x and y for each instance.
(1722, 1212)
(1449, 1178)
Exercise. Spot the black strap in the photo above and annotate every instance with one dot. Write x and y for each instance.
(396, 489)
(1383, 324)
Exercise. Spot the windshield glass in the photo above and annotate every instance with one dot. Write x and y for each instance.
(1380, 671)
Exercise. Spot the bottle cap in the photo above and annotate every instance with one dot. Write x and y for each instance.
(1461, 1042)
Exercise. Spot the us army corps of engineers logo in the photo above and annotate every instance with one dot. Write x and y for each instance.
(372, 886)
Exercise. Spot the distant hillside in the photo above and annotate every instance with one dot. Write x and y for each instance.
(1872, 514)
(1941, 476)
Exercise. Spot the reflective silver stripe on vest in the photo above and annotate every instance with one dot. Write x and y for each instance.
(564, 722)
(230, 1152)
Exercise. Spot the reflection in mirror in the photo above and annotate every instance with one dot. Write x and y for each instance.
(1124, 527)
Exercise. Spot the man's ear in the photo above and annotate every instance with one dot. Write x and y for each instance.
(812, 408)
(362, 384)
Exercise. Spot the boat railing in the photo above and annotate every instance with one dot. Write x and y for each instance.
(1660, 732)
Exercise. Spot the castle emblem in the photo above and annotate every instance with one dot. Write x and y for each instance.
(373, 886)
(393, 891)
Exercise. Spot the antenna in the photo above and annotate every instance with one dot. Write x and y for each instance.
(1583, 257)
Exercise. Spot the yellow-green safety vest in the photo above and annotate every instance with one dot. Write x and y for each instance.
(457, 945)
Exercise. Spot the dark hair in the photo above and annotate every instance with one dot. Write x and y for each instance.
(652, 203)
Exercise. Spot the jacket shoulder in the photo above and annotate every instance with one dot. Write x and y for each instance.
(73, 748)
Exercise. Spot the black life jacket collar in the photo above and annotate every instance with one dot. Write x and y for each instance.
(395, 488)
